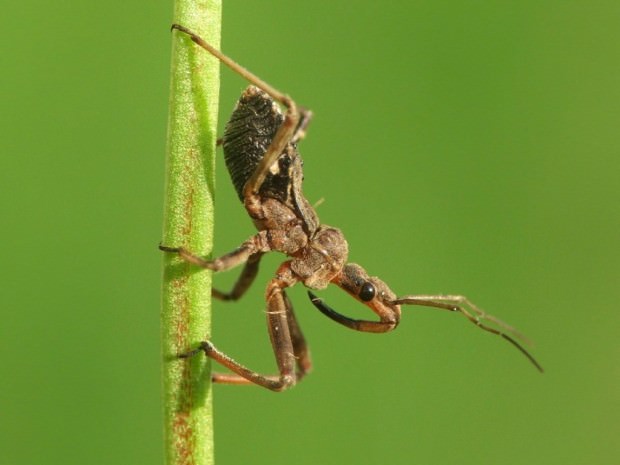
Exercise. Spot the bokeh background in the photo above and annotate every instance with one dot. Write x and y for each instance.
(463, 147)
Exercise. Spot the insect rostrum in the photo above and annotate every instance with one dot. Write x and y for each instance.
(260, 149)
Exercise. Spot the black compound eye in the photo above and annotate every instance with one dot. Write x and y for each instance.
(367, 292)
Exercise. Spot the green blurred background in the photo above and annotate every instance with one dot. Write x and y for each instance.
(463, 147)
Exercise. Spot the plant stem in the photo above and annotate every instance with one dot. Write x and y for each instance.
(188, 222)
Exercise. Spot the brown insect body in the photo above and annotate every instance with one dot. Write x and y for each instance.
(282, 210)
(260, 149)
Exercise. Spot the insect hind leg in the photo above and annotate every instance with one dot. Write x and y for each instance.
(291, 130)
(236, 67)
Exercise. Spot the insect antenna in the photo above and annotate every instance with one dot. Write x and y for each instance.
(455, 303)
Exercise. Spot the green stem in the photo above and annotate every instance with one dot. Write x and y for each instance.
(188, 222)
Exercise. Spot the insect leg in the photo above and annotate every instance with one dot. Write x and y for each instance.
(283, 136)
(257, 244)
(292, 128)
(300, 348)
(236, 67)
(278, 312)
(244, 281)
(302, 126)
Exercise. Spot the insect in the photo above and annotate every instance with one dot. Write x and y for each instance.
(260, 150)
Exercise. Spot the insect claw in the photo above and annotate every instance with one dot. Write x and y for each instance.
(165, 248)
(203, 346)
(178, 27)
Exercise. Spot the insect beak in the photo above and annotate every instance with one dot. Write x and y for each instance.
(389, 315)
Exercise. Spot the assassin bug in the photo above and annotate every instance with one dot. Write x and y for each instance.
(260, 150)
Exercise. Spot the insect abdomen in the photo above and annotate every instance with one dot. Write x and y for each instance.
(248, 133)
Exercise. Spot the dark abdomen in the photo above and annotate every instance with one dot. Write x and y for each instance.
(248, 133)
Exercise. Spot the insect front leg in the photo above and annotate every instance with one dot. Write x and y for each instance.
(300, 347)
(286, 339)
